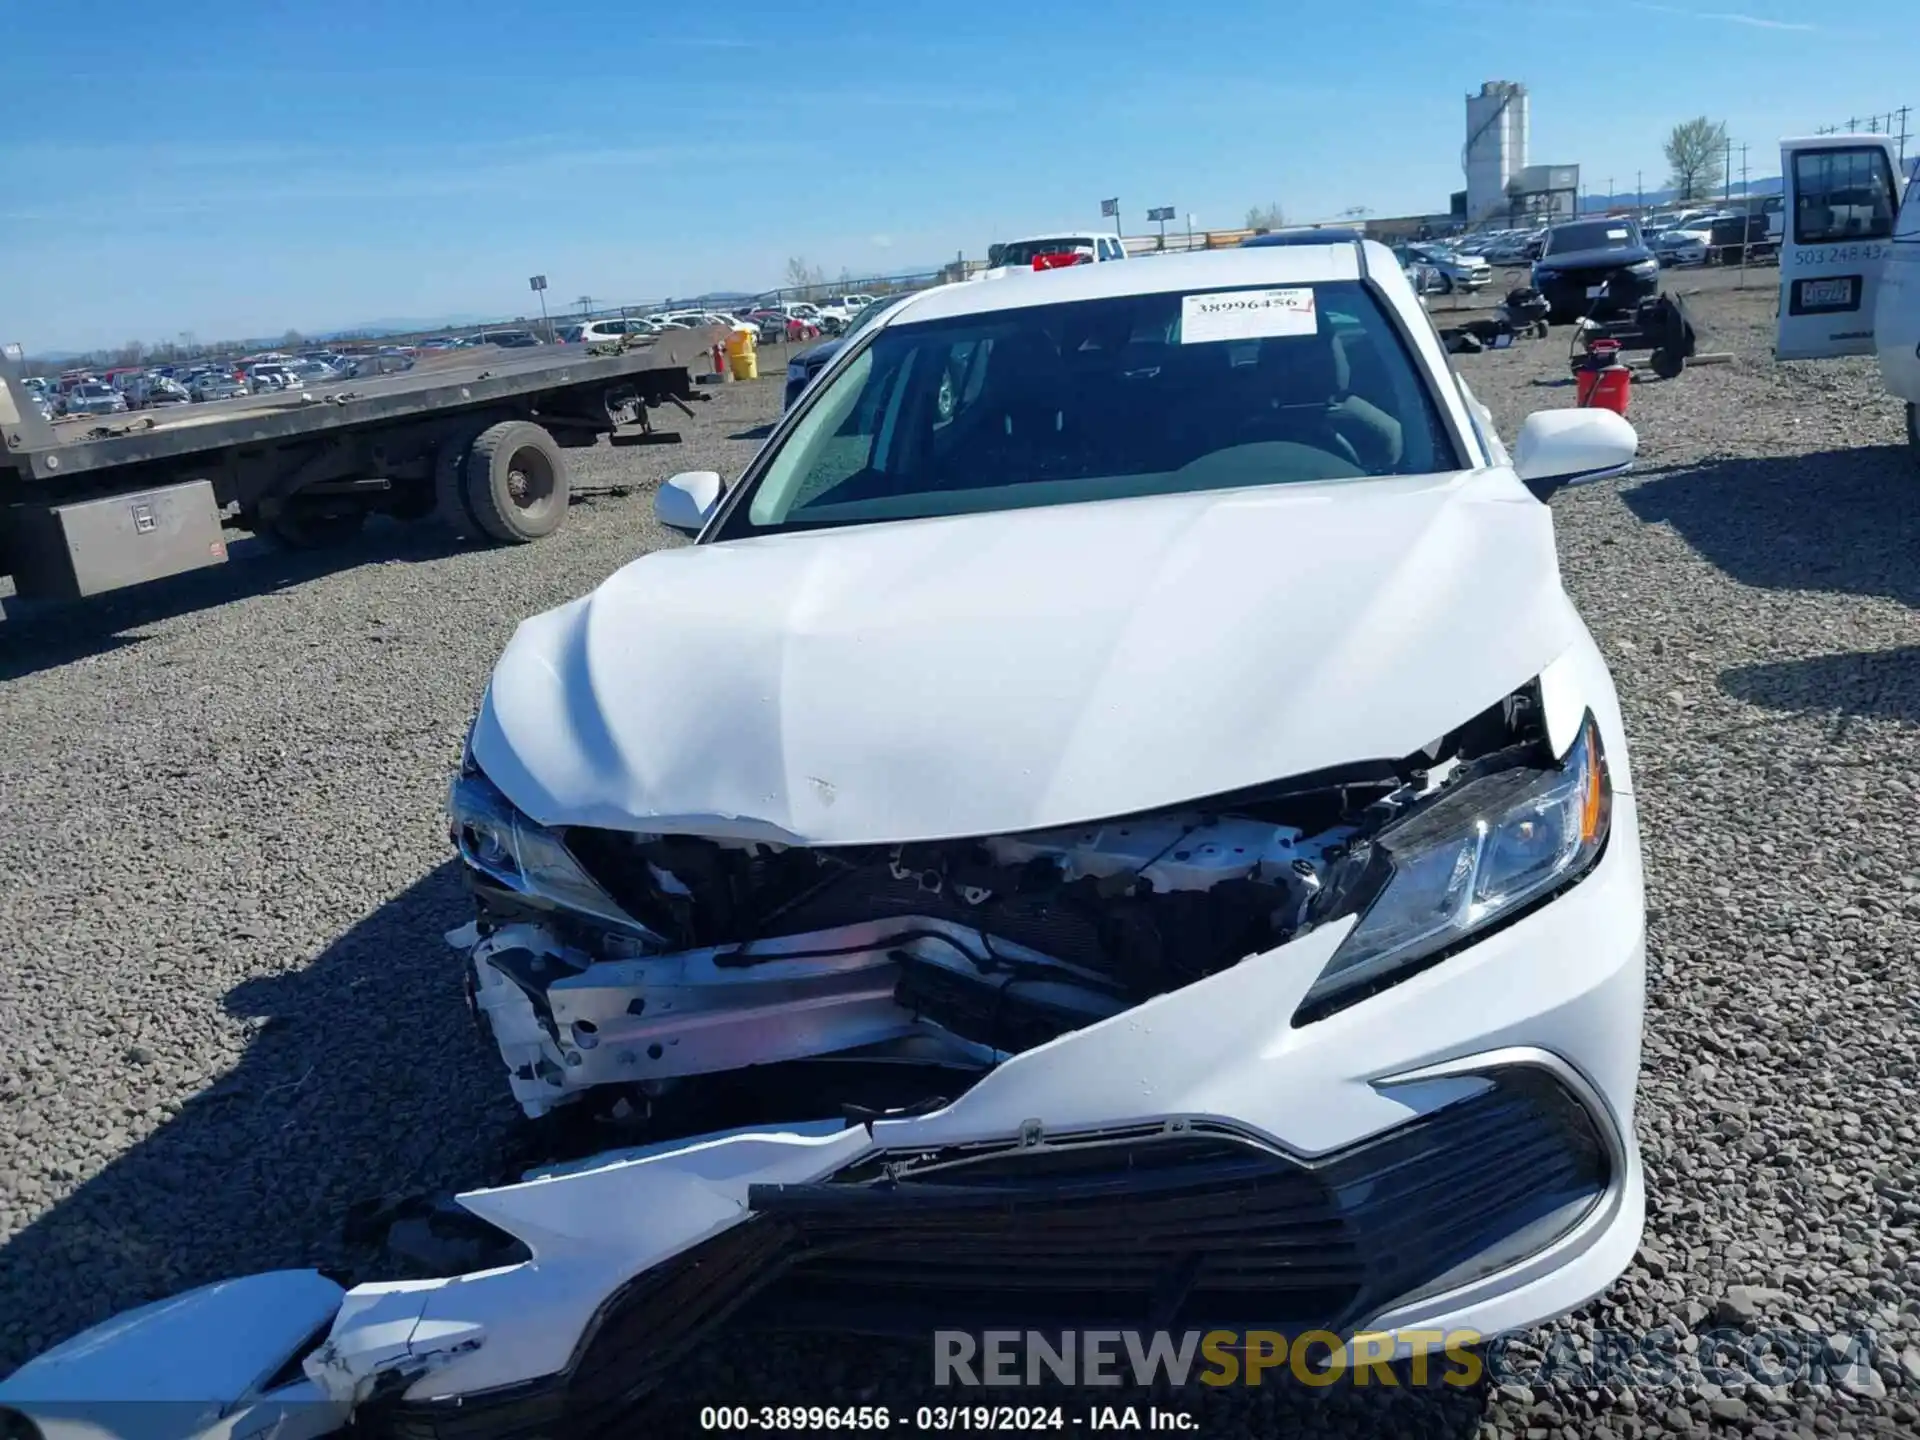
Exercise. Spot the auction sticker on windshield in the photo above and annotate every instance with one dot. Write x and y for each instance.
(1247, 315)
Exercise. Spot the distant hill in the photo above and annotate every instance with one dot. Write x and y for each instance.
(402, 326)
(1653, 199)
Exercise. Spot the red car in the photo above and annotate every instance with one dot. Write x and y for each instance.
(778, 322)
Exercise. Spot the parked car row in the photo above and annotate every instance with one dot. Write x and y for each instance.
(1506, 247)
(1707, 237)
(131, 387)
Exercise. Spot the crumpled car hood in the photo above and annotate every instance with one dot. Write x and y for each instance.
(988, 674)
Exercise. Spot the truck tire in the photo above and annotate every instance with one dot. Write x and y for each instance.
(1913, 429)
(517, 482)
(450, 486)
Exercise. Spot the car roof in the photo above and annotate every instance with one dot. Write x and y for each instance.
(1329, 236)
(1062, 234)
(1202, 270)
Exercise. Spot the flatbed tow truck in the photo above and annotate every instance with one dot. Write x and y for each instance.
(476, 438)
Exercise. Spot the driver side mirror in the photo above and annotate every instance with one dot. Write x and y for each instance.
(1558, 448)
(687, 500)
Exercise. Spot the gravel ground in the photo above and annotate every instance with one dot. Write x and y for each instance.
(226, 1013)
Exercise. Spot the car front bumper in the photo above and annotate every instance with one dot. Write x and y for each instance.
(1567, 291)
(1455, 1152)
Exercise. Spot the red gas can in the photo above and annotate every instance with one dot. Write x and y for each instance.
(1602, 382)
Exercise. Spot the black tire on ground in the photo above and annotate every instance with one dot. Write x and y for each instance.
(450, 486)
(1446, 284)
(305, 525)
(1913, 427)
(1667, 365)
(517, 482)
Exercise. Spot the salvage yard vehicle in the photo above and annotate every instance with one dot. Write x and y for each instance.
(1015, 255)
(1850, 260)
(1683, 244)
(1118, 797)
(1453, 269)
(810, 362)
(87, 507)
(1588, 266)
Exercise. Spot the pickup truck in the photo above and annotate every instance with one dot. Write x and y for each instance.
(1850, 259)
(476, 437)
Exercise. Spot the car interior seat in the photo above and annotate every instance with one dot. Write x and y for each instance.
(1304, 393)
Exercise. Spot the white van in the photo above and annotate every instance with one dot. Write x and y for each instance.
(1850, 259)
(1019, 254)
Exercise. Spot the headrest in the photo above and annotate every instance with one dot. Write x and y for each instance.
(1309, 368)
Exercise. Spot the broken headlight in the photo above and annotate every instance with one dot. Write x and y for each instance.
(516, 854)
(1476, 856)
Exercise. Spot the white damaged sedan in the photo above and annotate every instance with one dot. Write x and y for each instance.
(1116, 822)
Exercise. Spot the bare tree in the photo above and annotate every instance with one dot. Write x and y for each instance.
(804, 276)
(1266, 217)
(292, 340)
(1694, 148)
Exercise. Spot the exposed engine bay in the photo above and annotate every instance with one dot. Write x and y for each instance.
(950, 956)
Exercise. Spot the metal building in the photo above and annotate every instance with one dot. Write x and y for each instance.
(1496, 148)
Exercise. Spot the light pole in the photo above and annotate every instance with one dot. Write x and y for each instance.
(538, 284)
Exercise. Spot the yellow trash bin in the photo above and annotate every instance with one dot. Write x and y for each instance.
(740, 356)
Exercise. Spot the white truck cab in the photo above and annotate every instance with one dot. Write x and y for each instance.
(1850, 259)
(1019, 254)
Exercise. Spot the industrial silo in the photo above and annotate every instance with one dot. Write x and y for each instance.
(1496, 149)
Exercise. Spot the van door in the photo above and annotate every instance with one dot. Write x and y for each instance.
(1842, 193)
(1896, 316)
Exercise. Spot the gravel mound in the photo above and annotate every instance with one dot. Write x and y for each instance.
(226, 1013)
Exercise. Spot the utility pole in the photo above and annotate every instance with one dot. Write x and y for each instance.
(1746, 234)
(1903, 112)
(1639, 194)
(1726, 190)
(1609, 193)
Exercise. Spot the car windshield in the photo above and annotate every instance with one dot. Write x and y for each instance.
(1022, 252)
(864, 320)
(1102, 399)
(1590, 235)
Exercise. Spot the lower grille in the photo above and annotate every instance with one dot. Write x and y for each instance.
(1185, 1232)
(1152, 1231)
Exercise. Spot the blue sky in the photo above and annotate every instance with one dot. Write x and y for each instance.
(244, 167)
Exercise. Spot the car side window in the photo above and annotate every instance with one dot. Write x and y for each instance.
(1842, 195)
